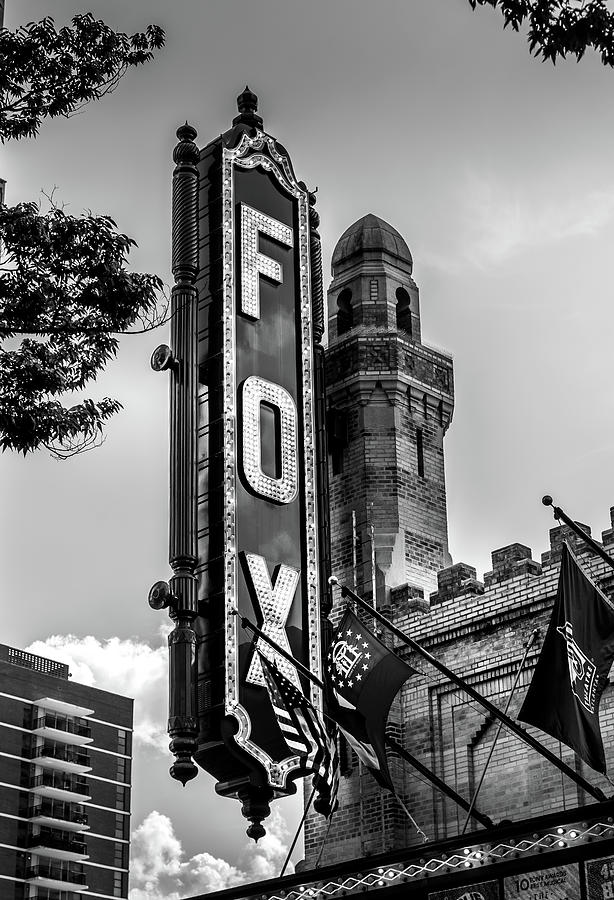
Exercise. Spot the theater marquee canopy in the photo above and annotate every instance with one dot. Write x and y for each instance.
(562, 856)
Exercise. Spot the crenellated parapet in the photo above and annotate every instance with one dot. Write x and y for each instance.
(514, 561)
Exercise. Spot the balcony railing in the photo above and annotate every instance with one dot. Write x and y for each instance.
(57, 872)
(63, 723)
(64, 752)
(57, 840)
(60, 810)
(45, 893)
(61, 782)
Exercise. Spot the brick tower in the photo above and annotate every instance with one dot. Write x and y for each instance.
(390, 400)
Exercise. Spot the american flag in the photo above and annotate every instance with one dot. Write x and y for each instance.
(303, 731)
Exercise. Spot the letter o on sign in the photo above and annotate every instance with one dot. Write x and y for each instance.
(256, 391)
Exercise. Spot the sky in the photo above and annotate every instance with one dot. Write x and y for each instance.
(497, 170)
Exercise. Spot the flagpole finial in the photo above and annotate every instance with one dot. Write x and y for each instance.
(547, 500)
(333, 580)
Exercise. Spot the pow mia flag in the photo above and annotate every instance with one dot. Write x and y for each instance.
(572, 669)
(364, 677)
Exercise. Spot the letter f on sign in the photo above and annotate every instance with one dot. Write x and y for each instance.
(253, 262)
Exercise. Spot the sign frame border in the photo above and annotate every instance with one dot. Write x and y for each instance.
(250, 153)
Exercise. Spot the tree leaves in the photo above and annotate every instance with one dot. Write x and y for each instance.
(46, 73)
(65, 288)
(560, 28)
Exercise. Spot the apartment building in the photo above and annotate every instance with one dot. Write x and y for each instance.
(65, 771)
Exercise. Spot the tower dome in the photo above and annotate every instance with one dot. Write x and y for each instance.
(370, 233)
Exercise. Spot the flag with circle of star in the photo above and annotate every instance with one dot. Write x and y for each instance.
(364, 677)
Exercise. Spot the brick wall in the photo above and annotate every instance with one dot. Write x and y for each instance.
(479, 631)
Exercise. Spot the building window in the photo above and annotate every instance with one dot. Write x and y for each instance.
(120, 826)
(403, 311)
(118, 881)
(337, 459)
(345, 313)
(346, 754)
(337, 426)
(420, 451)
(120, 798)
(119, 856)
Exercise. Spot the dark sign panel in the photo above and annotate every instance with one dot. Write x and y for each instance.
(269, 516)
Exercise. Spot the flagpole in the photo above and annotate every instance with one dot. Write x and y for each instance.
(373, 571)
(355, 583)
(595, 547)
(354, 542)
(298, 831)
(438, 783)
(398, 748)
(528, 646)
(483, 701)
(410, 817)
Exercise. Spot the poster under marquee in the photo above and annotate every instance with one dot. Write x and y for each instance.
(558, 883)
(485, 890)
(600, 879)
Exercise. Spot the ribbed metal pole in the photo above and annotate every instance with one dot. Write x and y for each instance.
(317, 311)
(183, 554)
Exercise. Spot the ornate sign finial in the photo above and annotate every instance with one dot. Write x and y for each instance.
(247, 104)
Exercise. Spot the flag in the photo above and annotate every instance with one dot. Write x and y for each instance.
(363, 677)
(572, 669)
(304, 732)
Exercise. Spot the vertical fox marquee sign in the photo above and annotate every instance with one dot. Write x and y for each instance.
(246, 480)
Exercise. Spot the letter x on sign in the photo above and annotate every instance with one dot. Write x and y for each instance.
(274, 602)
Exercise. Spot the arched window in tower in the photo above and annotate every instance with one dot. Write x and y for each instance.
(403, 311)
(420, 451)
(345, 313)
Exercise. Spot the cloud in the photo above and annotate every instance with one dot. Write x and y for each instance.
(160, 871)
(502, 222)
(497, 221)
(128, 667)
